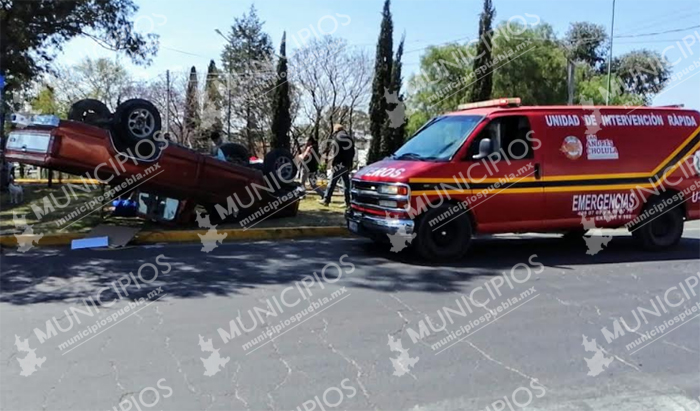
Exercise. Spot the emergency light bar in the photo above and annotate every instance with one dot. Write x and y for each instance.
(499, 102)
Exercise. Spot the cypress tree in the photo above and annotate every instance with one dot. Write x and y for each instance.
(380, 83)
(395, 128)
(483, 86)
(211, 109)
(192, 119)
(281, 119)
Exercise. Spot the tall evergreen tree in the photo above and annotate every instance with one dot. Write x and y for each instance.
(211, 108)
(191, 119)
(380, 83)
(247, 58)
(483, 86)
(395, 125)
(281, 118)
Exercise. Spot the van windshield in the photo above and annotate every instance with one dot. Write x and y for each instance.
(439, 139)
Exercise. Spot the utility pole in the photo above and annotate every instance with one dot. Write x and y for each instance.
(612, 34)
(570, 70)
(167, 101)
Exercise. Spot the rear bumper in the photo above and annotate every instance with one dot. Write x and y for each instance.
(376, 227)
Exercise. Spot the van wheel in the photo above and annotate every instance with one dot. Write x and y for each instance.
(445, 240)
(574, 235)
(662, 230)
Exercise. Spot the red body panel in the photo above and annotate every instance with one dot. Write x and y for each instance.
(82, 149)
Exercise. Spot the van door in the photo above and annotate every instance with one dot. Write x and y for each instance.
(503, 167)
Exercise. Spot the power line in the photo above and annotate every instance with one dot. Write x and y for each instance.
(658, 32)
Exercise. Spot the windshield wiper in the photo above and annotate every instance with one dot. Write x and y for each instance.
(412, 156)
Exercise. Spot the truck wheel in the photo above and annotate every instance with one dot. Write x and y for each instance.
(136, 120)
(574, 235)
(235, 153)
(661, 231)
(445, 240)
(90, 111)
(280, 164)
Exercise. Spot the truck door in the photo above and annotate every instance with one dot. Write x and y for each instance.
(503, 168)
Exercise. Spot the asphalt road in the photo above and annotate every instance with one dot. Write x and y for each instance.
(351, 339)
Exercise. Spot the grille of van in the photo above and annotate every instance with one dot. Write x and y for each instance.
(366, 194)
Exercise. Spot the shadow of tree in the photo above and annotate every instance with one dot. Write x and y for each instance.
(61, 275)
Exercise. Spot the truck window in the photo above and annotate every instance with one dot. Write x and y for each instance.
(508, 135)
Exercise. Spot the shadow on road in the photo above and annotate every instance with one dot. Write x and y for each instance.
(55, 275)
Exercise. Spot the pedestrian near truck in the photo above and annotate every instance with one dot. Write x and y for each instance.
(342, 153)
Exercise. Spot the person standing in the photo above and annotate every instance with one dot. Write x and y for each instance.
(342, 152)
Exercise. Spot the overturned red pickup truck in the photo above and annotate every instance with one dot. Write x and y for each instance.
(127, 148)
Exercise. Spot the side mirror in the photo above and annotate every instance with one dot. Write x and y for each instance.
(484, 149)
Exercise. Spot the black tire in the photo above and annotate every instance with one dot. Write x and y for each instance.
(90, 111)
(446, 240)
(574, 235)
(279, 164)
(236, 153)
(136, 120)
(661, 230)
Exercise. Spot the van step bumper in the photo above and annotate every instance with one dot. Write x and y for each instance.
(376, 227)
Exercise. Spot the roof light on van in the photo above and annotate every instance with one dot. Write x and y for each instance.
(499, 102)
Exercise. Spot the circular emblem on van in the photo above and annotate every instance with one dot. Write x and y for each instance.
(572, 147)
(696, 161)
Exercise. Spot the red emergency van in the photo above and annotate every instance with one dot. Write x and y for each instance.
(497, 167)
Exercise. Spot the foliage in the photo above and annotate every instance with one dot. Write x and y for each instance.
(483, 85)
(211, 107)
(247, 60)
(33, 32)
(281, 118)
(381, 82)
(587, 43)
(192, 117)
(101, 79)
(392, 136)
(45, 102)
(642, 72)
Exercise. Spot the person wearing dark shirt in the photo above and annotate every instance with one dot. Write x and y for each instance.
(342, 155)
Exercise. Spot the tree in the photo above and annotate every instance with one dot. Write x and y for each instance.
(101, 79)
(380, 84)
(211, 107)
(32, 33)
(192, 118)
(393, 133)
(642, 72)
(483, 86)
(45, 102)
(247, 59)
(281, 120)
(587, 43)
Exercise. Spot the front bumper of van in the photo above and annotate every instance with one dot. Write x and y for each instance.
(376, 227)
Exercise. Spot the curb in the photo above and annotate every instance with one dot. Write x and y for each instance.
(187, 236)
(55, 181)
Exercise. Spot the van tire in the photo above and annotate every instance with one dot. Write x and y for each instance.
(279, 165)
(449, 242)
(664, 231)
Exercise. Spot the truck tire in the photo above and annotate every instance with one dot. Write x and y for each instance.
(279, 165)
(235, 153)
(663, 230)
(445, 241)
(136, 120)
(90, 111)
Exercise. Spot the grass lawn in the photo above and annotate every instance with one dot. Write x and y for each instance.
(311, 213)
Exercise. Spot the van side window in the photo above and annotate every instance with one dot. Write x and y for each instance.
(508, 135)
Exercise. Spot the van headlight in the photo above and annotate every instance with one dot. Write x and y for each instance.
(392, 190)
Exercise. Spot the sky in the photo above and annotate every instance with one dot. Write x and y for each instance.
(188, 37)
